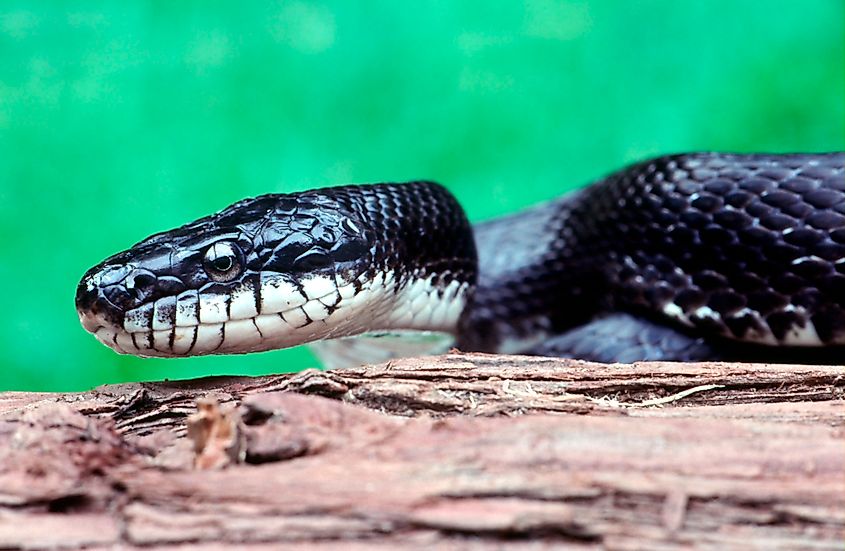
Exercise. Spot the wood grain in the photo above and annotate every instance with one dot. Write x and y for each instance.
(458, 451)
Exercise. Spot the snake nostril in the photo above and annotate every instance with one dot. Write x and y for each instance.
(140, 280)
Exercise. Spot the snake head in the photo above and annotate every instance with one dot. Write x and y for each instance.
(263, 273)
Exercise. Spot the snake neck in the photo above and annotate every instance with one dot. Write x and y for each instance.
(423, 268)
(529, 279)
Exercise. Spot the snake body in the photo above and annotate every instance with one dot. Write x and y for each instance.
(692, 256)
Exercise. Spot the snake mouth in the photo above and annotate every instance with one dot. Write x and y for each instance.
(262, 332)
(339, 310)
(277, 314)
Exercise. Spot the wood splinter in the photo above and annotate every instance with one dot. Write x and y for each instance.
(216, 434)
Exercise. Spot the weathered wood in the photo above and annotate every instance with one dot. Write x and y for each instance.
(460, 451)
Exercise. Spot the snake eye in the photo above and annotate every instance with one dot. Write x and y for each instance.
(222, 261)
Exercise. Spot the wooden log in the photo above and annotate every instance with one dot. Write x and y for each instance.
(458, 451)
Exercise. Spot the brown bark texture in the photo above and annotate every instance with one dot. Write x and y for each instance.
(450, 452)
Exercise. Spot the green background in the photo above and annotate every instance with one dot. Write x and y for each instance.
(119, 119)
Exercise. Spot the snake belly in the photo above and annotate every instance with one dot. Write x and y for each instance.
(722, 248)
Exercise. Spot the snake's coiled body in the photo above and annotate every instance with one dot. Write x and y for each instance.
(742, 247)
(669, 258)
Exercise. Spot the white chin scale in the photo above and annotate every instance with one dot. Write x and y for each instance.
(281, 314)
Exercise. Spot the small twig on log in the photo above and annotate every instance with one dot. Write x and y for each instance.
(678, 396)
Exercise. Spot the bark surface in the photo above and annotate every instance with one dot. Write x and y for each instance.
(457, 451)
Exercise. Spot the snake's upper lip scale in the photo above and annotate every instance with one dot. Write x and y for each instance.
(98, 311)
(144, 331)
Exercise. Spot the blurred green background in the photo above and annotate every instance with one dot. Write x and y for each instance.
(120, 119)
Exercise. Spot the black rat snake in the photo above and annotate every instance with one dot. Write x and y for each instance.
(694, 256)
